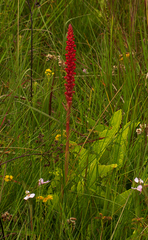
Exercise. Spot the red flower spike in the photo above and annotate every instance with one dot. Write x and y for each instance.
(69, 85)
(70, 63)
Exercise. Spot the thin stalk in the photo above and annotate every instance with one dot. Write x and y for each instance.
(17, 58)
(31, 222)
(146, 10)
(31, 64)
(120, 217)
(51, 93)
(2, 229)
(67, 142)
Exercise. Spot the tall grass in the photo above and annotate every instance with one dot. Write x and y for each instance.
(109, 103)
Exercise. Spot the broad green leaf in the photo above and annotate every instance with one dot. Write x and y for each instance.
(100, 171)
(100, 127)
(104, 170)
(100, 146)
(90, 158)
(116, 120)
(122, 142)
(85, 157)
(121, 200)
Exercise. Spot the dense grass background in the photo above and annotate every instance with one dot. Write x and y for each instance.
(111, 43)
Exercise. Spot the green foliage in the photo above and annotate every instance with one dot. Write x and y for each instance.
(111, 139)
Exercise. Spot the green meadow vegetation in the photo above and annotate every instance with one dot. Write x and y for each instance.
(104, 194)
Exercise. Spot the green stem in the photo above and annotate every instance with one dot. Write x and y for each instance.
(145, 192)
(31, 222)
(17, 58)
(67, 142)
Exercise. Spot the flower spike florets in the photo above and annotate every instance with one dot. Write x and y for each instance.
(70, 65)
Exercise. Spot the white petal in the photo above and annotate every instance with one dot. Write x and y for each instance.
(136, 180)
(46, 181)
(41, 181)
(27, 192)
(32, 195)
(139, 188)
(26, 198)
(138, 131)
(29, 196)
(140, 181)
(85, 70)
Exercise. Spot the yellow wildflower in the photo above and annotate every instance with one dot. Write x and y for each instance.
(40, 198)
(48, 72)
(45, 200)
(11, 177)
(127, 55)
(49, 197)
(8, 178)
(57, 137)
